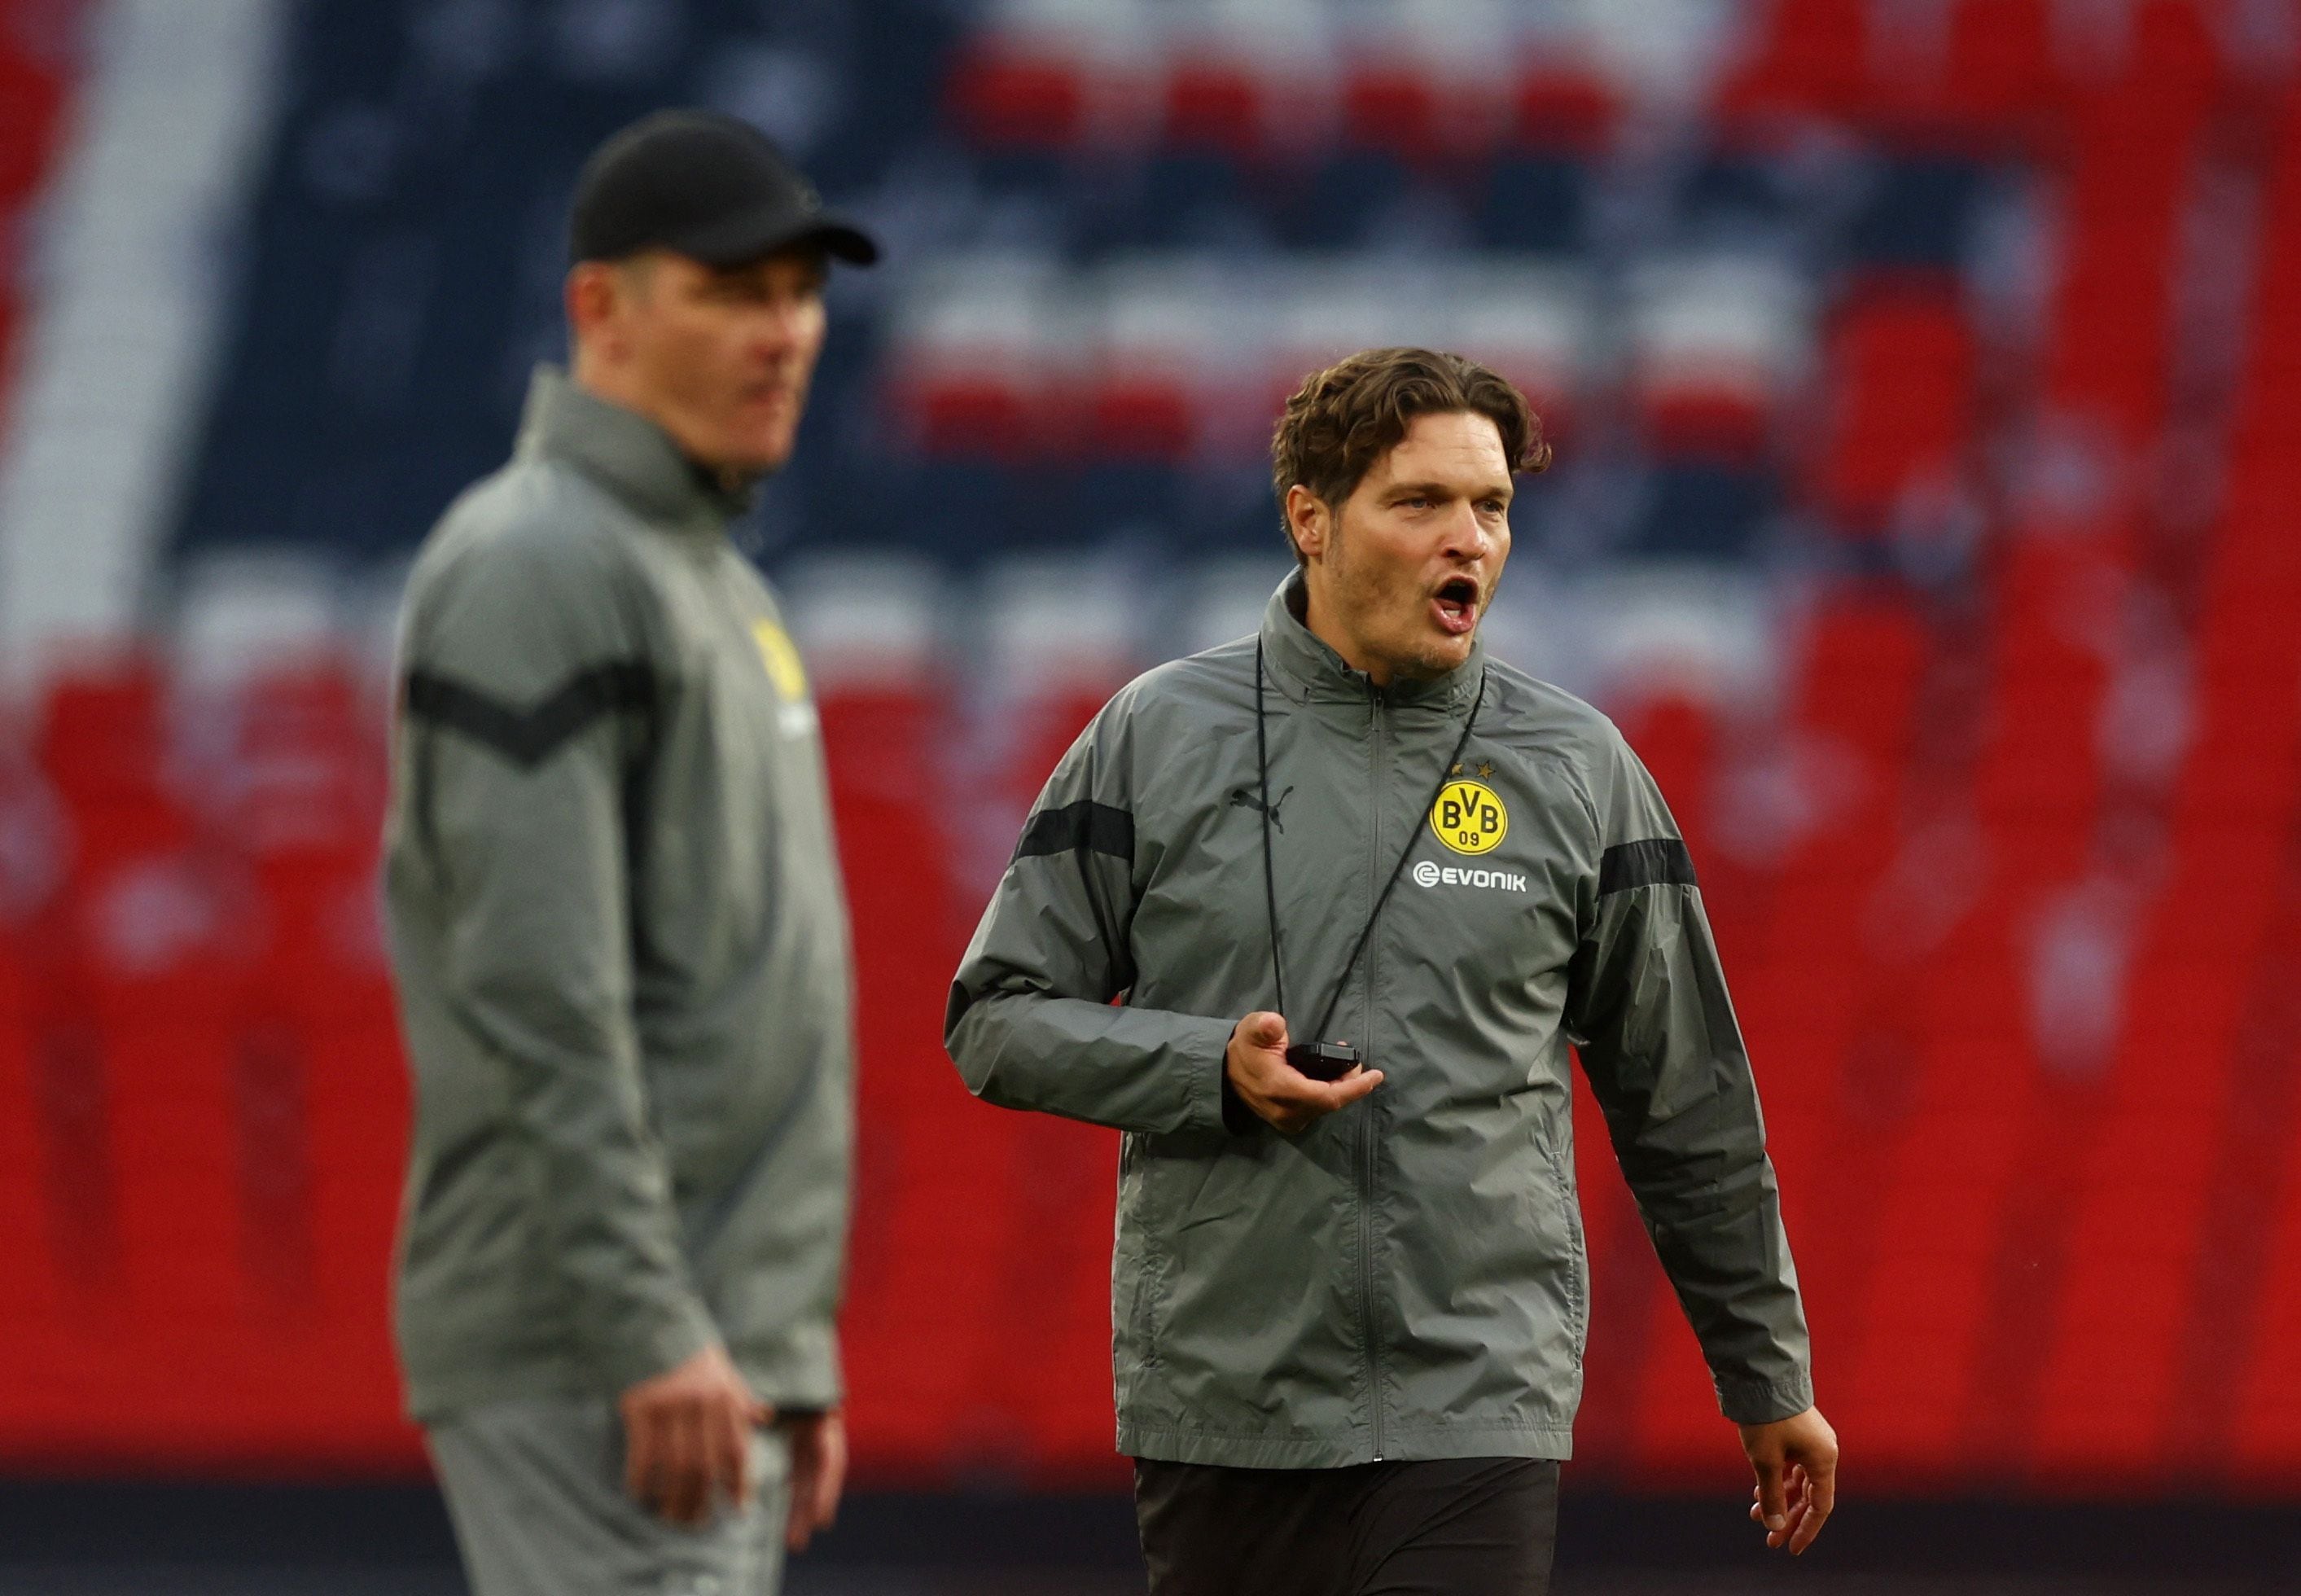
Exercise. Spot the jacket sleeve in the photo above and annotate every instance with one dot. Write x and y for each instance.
(533, 696)
(1647, 1008)
(1031, 1023)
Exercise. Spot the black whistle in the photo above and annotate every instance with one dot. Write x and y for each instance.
(1323, 1061)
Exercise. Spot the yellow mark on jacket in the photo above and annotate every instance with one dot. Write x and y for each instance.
(783, 668)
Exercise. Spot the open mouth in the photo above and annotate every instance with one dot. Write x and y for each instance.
(1456, 605)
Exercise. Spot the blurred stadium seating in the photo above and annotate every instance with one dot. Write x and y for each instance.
(1927, 380)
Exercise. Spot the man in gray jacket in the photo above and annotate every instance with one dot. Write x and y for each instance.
(617, 925)
(1314, 918)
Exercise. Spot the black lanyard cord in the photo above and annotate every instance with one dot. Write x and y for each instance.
(1269, 879)
(1269, 875)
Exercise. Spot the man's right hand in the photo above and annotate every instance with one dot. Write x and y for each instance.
(687, 1438)
(1795, 1460)
(1274, 1089)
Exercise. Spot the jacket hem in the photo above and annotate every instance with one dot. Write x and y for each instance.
(432, 1398)
(1423, 1443)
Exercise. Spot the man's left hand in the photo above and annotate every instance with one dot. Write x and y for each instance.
(1795, 1460)
(818, 1458)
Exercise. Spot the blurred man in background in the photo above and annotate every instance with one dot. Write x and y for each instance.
(617, 924)
(1350, 1289)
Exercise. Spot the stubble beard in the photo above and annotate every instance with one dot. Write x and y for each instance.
(1412, 658)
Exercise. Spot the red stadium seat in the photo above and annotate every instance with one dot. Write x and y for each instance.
(2265, 1405)
(1809, 57)
(1902, 365)
(1713, 346)
(32, 1305)
(2172, 67)
(1018, 98)
(965, 416)
(1625, 1280)
(2244, 763)
(974, 374)
(1910, 1378)
(1674, 1424)
(1865, 652)
(1977, 75)
(1561, 105)
(2110, 339)
(1998, 71)
(1970, 985)
(2105, 1402)
(1215, 103)
(295, 779)
(1140, 416)
(1676, 741)
(1052, 1359)
(33, 90)
(1394, 104)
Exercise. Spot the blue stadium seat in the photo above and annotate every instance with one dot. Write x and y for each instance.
(964, 512)
(1194, 199)
(1535, 202)
(1733, 198)
(1333, 205)
(1127, 494)
(1702, 511)
(1037, 174)
(1918, 214)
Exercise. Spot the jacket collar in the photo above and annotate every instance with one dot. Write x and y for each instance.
(628, 454)
(1303, 666)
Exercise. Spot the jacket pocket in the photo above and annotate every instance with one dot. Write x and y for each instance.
(1139, 1310)
(1139, 1269)
(1577, 1285)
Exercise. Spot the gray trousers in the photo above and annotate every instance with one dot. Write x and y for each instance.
(535, 1487)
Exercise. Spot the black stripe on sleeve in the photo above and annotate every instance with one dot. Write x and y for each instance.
(1659, 861)
(1085, 826)
(528, 737)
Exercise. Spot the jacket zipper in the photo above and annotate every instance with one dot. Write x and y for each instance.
(1367, 1120)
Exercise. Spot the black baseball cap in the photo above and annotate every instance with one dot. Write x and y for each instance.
(703, 185)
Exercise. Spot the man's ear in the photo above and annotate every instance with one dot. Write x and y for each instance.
(593, 293)
(1309, 522)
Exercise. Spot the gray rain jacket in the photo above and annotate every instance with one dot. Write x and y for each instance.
(1406, 1279)
(619, 938)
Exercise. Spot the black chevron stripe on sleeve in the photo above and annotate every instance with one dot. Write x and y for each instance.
(1659, 861)
(1085, 826)
(528, 737)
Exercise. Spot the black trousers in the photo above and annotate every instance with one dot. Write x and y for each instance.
(1468, 1526)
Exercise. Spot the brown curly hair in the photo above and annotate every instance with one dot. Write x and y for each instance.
(1343, 419)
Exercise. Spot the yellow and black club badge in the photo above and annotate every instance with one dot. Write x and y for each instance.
(1468, 816)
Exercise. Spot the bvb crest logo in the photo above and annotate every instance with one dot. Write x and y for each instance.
(1468, 816)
